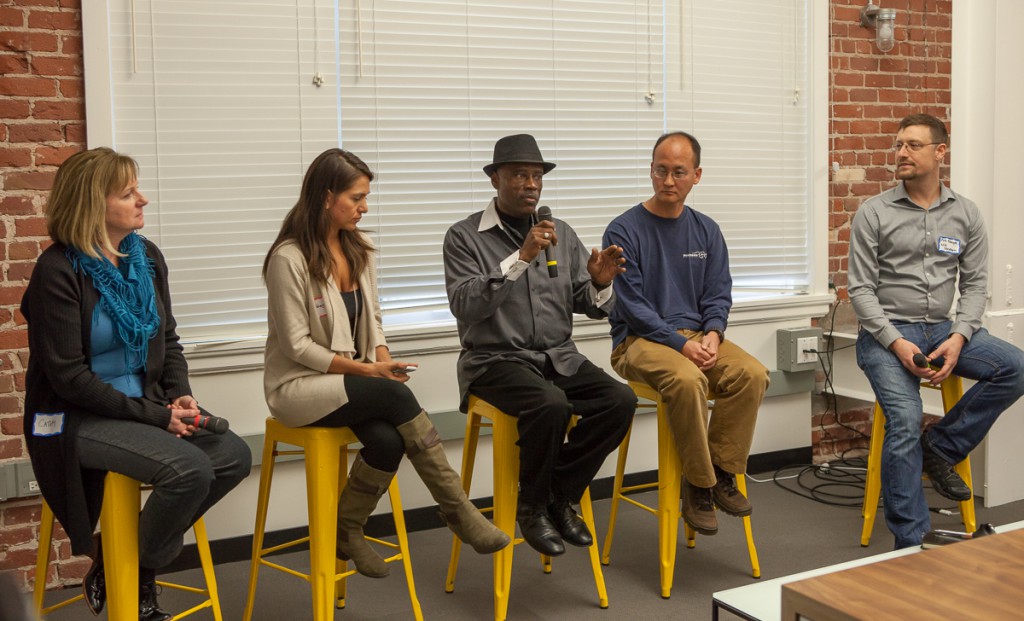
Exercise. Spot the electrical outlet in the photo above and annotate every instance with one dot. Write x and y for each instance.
(803, 345)
(791, 345)
(33, 486)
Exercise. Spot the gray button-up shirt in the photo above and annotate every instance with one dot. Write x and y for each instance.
(904, 263)
(510, 310)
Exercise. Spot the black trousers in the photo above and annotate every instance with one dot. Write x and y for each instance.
(543, 403)
(376, 407)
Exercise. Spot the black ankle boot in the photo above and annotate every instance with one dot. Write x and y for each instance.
(94, 586)
(149, 609)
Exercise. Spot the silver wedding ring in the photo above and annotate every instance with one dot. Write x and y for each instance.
(547, 235)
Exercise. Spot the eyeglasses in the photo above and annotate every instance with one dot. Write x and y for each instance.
(913, 146)
(661, 173)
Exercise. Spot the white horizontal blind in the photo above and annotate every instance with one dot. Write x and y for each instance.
(216, 102)
(442, 80)
(749, 100)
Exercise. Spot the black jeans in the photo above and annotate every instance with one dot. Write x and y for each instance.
(376, 407)
(189, 475)
(543, 404)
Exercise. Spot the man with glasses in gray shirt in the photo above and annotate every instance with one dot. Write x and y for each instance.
(908, 246)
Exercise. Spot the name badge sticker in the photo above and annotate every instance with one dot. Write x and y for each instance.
(949, 245)
(321, 307)
(44, 425)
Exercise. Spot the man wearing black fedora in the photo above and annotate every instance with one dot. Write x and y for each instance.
(515, 318)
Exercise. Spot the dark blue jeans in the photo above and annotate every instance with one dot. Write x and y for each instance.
(189, 475)
(998, 368)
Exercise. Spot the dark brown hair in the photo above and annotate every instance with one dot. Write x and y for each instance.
(308, 222)
(937, 127)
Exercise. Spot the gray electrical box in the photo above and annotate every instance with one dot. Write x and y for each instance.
(796, 349)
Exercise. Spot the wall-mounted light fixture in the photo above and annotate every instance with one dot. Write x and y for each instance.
(884, 23)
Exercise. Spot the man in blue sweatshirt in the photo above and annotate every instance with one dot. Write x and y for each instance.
(668, 331)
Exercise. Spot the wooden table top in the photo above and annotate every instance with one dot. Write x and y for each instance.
(980, 579)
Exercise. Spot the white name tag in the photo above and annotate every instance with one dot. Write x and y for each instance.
(949, 245)
(321, 307)
(48, 424)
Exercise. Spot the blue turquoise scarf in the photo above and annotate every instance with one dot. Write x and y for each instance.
(127, 297)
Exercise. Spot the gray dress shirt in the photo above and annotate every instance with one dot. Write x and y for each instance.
(508, 310)
(904, 263)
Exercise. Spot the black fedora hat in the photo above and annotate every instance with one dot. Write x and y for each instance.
(521, 149)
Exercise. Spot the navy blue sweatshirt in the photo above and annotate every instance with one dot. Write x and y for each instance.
(677, 276)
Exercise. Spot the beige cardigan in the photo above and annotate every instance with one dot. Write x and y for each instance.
(303, 340)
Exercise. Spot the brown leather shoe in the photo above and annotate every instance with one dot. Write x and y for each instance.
(728, 497)
(698, 511)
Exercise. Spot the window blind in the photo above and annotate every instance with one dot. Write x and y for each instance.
(216, 99)
(443, 80)
(746, 100)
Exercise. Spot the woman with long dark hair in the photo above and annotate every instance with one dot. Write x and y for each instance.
(327, 362)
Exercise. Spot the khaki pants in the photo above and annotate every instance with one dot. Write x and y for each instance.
(737, 384)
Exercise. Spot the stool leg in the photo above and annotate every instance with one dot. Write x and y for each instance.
(322, 473)
(506, 496)
(755, 566)
(967, 506)
(119, 522)
(266, 476)
(42, 559)
(340, 566)
(670, 470)
(206, 560)
(403, 545)
(620, 471)
(587, 508)
(468, 460)
(873, 484)
(952, 390)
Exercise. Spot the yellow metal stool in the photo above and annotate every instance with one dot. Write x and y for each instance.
(119, 523)
(326, 452)
(506, 495)
(952, 389)
(670, 471)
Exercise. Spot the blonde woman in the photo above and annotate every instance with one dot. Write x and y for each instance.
(107, 385)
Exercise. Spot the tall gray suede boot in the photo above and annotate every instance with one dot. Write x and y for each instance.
(423, 446)
(358, 500)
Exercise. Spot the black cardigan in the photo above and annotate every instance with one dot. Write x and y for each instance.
(59, 304)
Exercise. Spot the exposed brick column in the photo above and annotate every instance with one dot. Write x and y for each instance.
(42, 122)
(870, 92)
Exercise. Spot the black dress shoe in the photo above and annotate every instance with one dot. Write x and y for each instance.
(94, 586)
(569, 524)
(539, 532)
(149, 609)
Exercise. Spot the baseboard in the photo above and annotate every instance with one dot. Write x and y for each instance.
(239, 548)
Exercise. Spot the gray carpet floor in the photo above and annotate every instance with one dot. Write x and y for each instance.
(792, 534)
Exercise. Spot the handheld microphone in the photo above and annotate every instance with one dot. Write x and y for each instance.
(544, 215)
(920, 361)
(216, 424)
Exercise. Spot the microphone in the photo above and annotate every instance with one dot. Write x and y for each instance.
(544, 215)
(920, 361)
(216, 424)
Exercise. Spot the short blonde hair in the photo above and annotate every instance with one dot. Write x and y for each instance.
(77, 208)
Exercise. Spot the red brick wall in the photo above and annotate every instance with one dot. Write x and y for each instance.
(870, 92)
(42, 122)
